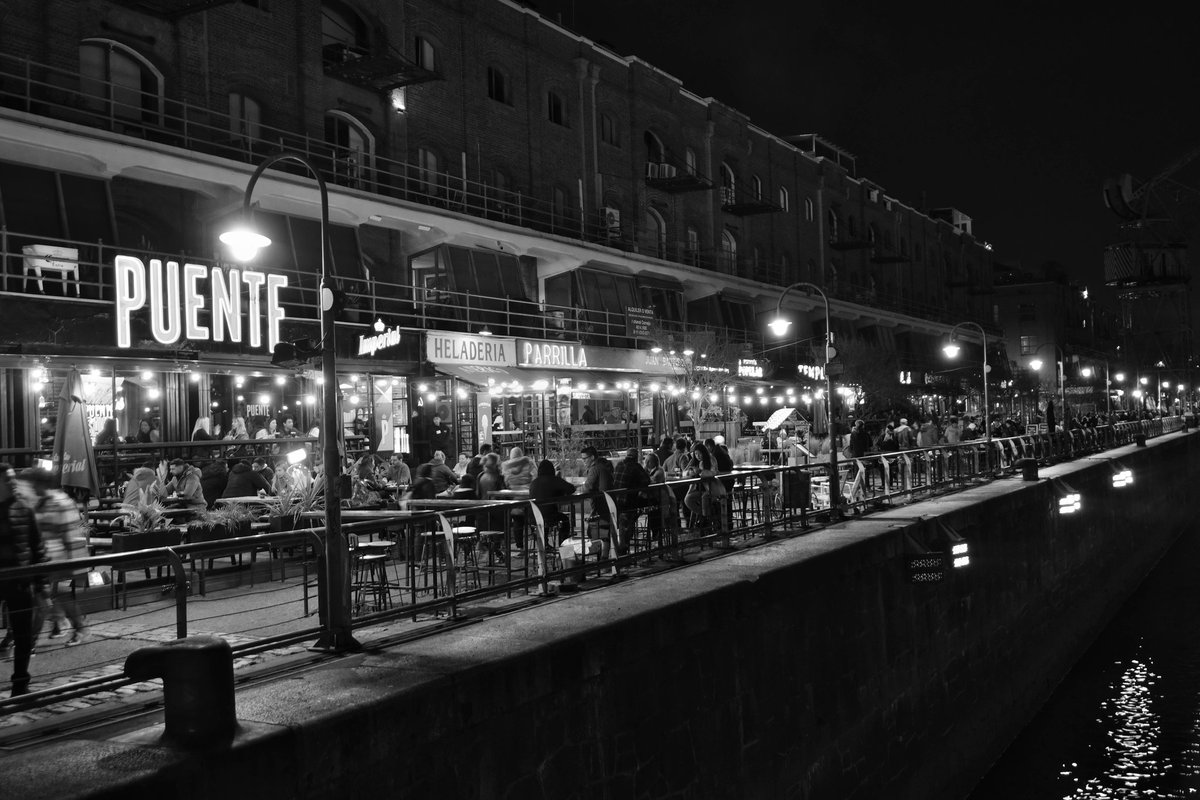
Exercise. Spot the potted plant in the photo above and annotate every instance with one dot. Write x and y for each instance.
(143, 516)
(296, 493)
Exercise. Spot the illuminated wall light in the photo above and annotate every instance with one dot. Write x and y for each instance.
(241, 398)
(462, 393)
(582, 386)
(1069, 504)
(264, 399)
(354, 379)
(431, 397)
(541, 386)
(962, 561)
(45, 420)
(146, 410)
(94, 372)
(600, 386)
(424, 387)
(958, 549)
(309, 399)
(214, 404)
(284, 407)
(395, 381)
(762, 401)
(779, 399)
(320, 380)
(297, 455)
(154, 394)
(712, 398)
(654, 387)
(280, 380)
(791, 391)
(759, 390)
(147, 375)
(747, 399)
(353, 399)
(195, 377)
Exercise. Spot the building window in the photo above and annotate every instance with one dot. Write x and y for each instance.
(556, 109)
(808, 209)
(689, 160)
(656, 234)
(1027, 312)
(756, 187)
(728, 251)
(1029, 345)
(118, 82)
(728, 193)
(426, 54)
(245, 116)
(353, 148)
(559, 208)
(497, 86)
(784, 200)
(693, 246)
(427, 170)
(608, 131)
(344, 34)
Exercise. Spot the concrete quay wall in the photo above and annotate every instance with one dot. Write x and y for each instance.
(808, 667)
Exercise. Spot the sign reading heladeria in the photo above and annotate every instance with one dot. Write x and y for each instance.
(244, 304)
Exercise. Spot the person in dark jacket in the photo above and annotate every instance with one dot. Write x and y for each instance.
(20, 546)
(475, 465)
(545, 487)
(245, 482)
(422, 487)
(860, 440)
(631, 476)
(443, 477)
(665, 448)
(213, 478)
(598, 478)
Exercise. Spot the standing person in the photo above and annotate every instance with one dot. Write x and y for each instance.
(665, 448)
(440, 437)
(927, 436)
(661, 501)
(953, 434)
(904, 435)
(20, 546)
(598, 478)
(633, 478)
(860, 440)
(202, 430)
(887, 439)
(61, 527)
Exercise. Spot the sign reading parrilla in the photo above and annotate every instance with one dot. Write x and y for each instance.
(242, 302)
(550, 354)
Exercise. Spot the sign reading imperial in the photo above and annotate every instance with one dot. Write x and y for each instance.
(551, 354)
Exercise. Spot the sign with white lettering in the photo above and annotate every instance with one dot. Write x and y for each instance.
(551, 354)
(369, 345)
(811, 371)
(241, 302)
(639, 322)
(465, 348)
(749, 368)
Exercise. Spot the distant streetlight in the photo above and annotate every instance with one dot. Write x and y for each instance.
(1036, 365)
(245, 244)
(951, 350)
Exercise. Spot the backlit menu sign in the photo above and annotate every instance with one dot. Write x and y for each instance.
(244, 304)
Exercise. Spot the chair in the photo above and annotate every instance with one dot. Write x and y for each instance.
(51, 258)
(369, 581)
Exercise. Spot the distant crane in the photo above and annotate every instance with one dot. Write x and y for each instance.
(1150, 269)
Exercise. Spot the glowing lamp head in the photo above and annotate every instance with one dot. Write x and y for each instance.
(1036, 364)
(779, 326)
(244, 243)
(951, 349)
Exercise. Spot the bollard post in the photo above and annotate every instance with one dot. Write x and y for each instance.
(1029, 469)
(1139, 439)
(197, 676)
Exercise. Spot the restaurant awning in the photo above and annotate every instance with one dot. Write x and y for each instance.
(509, 378)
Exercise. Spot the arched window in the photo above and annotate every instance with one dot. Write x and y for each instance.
(831, 218)
(656, 234)
(119, 83)
(784, 199)
(245, 116)
(728, 180)
(689, 160)
(872, 233)
(344, 34)
(693, 246)
(426, 54)
(353, 148)
(756, 187)
(808, 209)
(728, 251)
(559, 209)
(852, 227)
(655, 153)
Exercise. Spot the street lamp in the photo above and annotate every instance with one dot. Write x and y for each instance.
(1087, 373)
(245, 243)
(1036, 366)
(779, 327)
(951, 350)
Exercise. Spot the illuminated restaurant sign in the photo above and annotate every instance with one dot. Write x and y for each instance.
(811, 371)
(370, 345)
(242, 302)
(465, 348)
(749, 368)
(552, 354)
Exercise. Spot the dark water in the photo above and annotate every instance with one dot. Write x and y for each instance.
(1126, 721)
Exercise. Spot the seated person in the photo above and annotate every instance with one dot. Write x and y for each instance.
(261, 466)
(143, 487)
(441, 474)
(213, 479)
(245, 482)
(185, 484)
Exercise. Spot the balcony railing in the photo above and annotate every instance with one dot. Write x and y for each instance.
(90, 280)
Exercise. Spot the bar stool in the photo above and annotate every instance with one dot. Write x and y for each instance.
(466, 538)
(372, 591)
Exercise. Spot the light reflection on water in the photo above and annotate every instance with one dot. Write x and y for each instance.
(1125, 724)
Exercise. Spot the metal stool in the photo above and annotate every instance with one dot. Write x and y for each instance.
(372, 591)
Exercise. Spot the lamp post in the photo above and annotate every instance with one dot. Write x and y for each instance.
(951, 350)
(1087, 373)
(779, 327)
(1036, 364)
(337, 633)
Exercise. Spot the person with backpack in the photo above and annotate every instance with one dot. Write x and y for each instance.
(63, 536)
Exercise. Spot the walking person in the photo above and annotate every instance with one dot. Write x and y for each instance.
(20, 546)
(63, 536)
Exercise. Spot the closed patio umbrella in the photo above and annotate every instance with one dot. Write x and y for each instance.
(74, 459)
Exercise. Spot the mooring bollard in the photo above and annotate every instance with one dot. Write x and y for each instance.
(1029, 469)
(1139, 439)
(197, 675)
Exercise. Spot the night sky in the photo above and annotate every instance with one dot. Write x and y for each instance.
(1015, 118)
